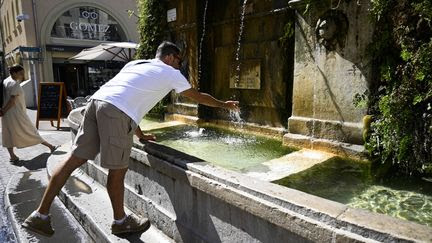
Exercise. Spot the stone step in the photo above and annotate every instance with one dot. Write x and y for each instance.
(289, 164)
(147, 125)
(88, 201)
(23, 194)
(348, 150)
(192, 120)
(183, 109)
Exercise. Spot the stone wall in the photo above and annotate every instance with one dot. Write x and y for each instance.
(331, 67)
(269, 103)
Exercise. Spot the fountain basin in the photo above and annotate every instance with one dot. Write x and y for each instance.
(222, 147)
(191, 200)
(354, 184)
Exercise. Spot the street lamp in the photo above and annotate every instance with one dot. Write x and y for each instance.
(22, 17)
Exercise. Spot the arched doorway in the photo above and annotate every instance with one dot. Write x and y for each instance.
(87, 23)
(75, 29)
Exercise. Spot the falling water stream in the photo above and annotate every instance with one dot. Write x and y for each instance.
(201, 43)
(237, 56)
(235, 116)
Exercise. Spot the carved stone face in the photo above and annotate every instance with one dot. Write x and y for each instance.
(327, 29)
(331, 29)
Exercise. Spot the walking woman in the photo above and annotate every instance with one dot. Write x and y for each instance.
(17, 128)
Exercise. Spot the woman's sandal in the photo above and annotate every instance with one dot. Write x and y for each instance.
(55, 148)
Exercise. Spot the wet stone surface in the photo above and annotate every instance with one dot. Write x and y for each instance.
(25, 191)
(33, 158)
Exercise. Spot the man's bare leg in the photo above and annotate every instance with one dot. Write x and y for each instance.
(115, 187)
(57, 181)
(122, 223)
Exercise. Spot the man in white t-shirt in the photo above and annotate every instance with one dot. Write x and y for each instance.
(108, 126)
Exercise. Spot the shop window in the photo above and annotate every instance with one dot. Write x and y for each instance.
(88, 23)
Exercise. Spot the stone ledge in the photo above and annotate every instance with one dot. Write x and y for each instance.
(250, 128)
(342, 149)
(75, 117)
(183, 109)
(191, 120)
(344, 132)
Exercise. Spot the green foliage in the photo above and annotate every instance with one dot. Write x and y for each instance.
(286, 39)
(288, 32)
(151, 26)
(159, 110)
(379, 8)
(400, 102)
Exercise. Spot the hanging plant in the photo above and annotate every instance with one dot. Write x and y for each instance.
(151, 26)
(401, 101)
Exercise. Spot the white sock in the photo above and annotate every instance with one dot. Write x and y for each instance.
(42, 216)
(120, 221)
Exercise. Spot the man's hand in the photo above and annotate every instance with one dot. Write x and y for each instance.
(231, 105)
(144, 137)
(147, 137)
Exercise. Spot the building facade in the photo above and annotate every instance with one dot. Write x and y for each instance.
(42, 35)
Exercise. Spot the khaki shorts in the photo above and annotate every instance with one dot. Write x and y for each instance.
(106, 130)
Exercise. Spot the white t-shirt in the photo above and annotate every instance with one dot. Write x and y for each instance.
(139, 87)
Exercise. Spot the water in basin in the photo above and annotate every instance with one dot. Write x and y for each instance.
(224, 148)
(353, 183)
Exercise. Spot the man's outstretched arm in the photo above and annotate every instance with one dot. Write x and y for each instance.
(208, 100)
(199, 97)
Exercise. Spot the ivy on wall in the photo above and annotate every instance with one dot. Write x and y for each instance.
(151, 26)
(400, 100)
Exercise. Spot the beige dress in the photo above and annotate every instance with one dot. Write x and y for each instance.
(17, 128)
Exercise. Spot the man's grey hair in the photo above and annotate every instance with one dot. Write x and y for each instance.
(167, 48)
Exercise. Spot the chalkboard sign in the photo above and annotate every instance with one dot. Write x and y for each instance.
(52, 105)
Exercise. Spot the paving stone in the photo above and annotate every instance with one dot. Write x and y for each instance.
(32, 160)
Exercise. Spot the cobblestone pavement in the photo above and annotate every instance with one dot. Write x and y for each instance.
(32, 158)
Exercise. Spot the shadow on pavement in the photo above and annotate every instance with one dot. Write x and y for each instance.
(132, 237)
(59, 152)
(54, 129)
(36, 163)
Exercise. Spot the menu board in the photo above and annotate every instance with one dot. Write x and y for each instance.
(52, 105)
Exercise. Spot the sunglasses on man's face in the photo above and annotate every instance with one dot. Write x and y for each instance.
(178, 57)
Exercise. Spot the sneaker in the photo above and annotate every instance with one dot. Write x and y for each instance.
(38, 225)
(131, 224)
